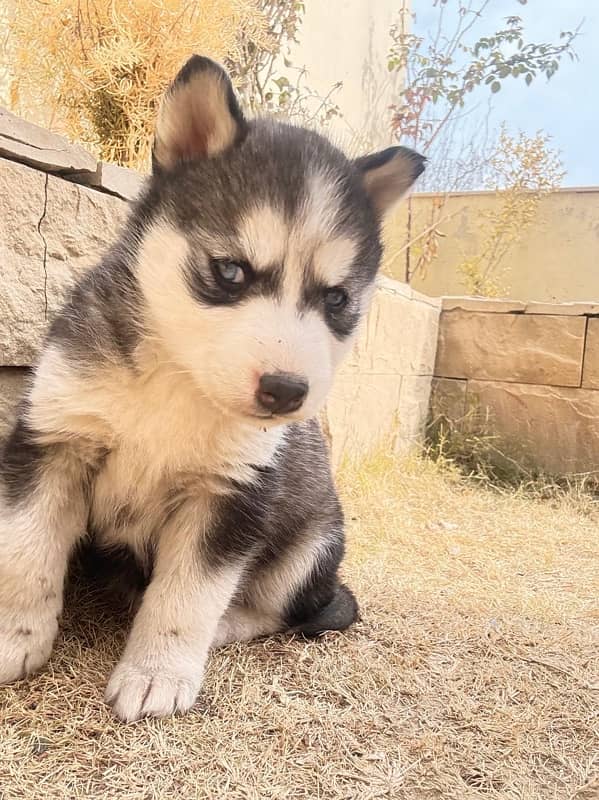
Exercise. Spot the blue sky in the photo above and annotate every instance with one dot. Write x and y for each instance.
(567, 106)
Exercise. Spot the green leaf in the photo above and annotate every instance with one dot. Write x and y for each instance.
(528, 79)
(495, 87)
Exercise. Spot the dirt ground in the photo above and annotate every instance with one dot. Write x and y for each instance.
(473, 672)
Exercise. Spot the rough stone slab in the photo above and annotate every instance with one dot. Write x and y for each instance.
(22, 278)
(399, 337)
(590, 373)
(485, 304)
(562, 309)
(121, 181)
(448, 398)
(362, 414)
(394, 287)
(78, 227)
(405, 290)
(553, 428)
(519, 348)
(51, 230)
(13, 383)
(28, 143)
(412, 415)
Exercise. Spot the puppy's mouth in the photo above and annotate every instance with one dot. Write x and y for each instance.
(276, 419)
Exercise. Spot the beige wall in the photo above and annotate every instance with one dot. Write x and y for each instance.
(348, 41)
(557, 259)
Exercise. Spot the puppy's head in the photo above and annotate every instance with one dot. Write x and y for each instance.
(260, 246)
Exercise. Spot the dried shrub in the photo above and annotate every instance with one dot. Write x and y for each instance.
(95, 69)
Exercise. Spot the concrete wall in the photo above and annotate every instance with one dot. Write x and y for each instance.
(531, 371)
(59, 210)
(556, 261)
(348, 41)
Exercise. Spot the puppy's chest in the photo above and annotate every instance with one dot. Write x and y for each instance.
(135, 491)
(157, 465)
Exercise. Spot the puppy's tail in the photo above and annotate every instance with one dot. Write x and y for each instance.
(337, 615)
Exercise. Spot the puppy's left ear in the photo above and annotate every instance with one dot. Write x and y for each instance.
(388, 175)
(199, 116)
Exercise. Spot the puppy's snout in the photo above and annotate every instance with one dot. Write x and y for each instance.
(281, 393)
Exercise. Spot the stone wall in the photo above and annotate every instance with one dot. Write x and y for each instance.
(382, 393)
(59, 209)
(531, 370)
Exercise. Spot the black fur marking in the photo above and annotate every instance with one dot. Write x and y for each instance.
(22, 461)
(208, 198)
(263, 518)
(206, 289)
(341, 322)
(336, 615)
(376, 160)
(259, 517)
(115, 573)
(100, 321)
(320, 587)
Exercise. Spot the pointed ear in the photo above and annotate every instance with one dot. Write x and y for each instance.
(199, 116)
(388, 175)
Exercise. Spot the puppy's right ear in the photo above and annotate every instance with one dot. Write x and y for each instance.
(199, 116)
(387, 176)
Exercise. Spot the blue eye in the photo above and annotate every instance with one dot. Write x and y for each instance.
(336, 298)
(229, 273)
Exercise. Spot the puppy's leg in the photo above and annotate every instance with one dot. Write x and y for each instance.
(162, 667)
(244, 623)
(43, 511)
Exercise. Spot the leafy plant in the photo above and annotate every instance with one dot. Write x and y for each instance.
(523, 169)
(441, 73)
(267, 79)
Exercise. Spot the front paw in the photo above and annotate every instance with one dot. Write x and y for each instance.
(25, 643)
(135, 691)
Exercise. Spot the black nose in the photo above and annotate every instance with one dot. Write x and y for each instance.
(281, 393)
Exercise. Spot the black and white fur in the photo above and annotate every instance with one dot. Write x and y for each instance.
(252, 252)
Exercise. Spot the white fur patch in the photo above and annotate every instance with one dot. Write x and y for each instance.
(317, 220)
(241, 624)
(162, 668)
(264, 236)
(277, 582)
(225, 349)
(333, 260)
(36, 537)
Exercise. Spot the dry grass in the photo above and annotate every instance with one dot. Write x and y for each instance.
(471, 674)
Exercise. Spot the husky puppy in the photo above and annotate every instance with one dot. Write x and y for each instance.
(172, 411)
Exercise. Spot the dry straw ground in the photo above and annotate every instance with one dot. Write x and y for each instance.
(473, 673)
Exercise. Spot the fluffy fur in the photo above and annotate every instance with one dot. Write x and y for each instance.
(252, 252)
